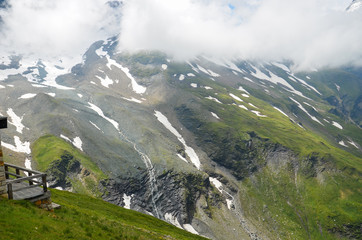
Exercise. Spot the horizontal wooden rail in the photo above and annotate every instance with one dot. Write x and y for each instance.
(22, 168)
(32, 178)
(22, 178)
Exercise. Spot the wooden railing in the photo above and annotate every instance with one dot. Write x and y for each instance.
(33, 177)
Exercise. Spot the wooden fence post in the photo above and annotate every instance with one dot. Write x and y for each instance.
(44, 179)
(6, 172)
(30, 182)
(10, 191)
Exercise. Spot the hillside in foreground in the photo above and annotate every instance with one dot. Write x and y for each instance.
(81, 217)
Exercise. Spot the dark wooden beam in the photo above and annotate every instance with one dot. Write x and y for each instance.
(3, 122)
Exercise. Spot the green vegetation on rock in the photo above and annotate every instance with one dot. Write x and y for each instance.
(58, 157)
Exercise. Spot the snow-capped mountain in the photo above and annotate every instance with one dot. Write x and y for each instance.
(223, 147)
(206, 144)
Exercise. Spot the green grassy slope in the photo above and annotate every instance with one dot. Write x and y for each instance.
(317, 196)
(49, 148)
(81, 217)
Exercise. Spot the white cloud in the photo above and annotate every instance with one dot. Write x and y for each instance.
(48, 28)
(312, 33)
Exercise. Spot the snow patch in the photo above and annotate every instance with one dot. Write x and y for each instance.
(253, 105)
(232, 66)
(342, 143)
(337, 125)
(181, 157)
(80, 95)
(282, 66)
(259, 74)
(208, 88)
(248, 79)
(51, 94)
(188, 150)
(220, 188)
(27, 165)
(182, 77)
(105, 81)
(213, 74)
(307, 85)
(38, 86)
(100, 52)
(275, 80)
(16, 120)
(100, 113)
(257, 113)
(190, 229)
(292, 79)
(310, 105)
(243, 90)
(214, 99)
(214, 115)
(243, 107)
(229, 203)
(22, 147)
(281, 112)
(53, 71)
(27, 96)
(207, 71)
(65, 138)
(5, 73)
(135, 86)
(236, 97)
(193, 68)
(127, 201)
(173, 220)
(194, 85)
(191, 75)
(353, 144)
(338, 87)
(164, 66)
(132, 100)
(94, 125)
(77, 142)
(303, 109)
(216, 183)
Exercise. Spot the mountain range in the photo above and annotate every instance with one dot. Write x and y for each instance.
(224, 148)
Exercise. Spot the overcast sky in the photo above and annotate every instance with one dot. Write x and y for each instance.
(312, 33)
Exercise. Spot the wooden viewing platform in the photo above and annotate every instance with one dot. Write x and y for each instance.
(23, 183)
(20, 183)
